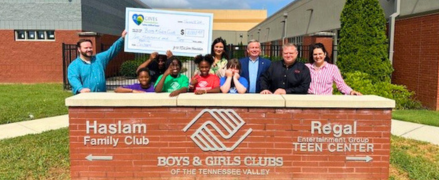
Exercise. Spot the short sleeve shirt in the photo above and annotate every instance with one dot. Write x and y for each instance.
(233, 90)
(171, 84)
(138, 87)
(205, 83)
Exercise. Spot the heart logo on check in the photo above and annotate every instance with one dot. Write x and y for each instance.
(138, 18)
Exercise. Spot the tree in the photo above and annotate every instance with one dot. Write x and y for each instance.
(363, 43)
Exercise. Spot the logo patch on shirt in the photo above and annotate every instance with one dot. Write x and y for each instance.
(175, 86)
(233, 90)
(297, 71)
(202, 84)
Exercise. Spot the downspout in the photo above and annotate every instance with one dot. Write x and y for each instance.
(392, 29)
(285, 32)
(335, 47)
(285, 28)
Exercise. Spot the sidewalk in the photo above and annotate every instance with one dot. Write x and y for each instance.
(33, 127)
(399, 128)
(416, 131)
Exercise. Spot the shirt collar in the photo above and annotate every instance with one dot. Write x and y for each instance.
(256, 60)
(322, 67)
(283, 63)
(86, 62)
(178, 75)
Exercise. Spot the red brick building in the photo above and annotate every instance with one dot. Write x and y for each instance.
(416, 57)
(31, 49)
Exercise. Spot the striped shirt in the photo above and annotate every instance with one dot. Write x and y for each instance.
(323, 78)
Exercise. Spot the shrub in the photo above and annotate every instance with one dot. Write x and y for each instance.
(362, 82)
(403, 97)
(303, 60)
(128, 68)
(363, 53)
(273, 58)
(363, 42)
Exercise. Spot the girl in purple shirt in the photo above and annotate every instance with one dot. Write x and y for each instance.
(143, 86)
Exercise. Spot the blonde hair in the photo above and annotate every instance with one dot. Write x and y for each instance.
(289, 45)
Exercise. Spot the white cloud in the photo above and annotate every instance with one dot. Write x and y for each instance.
(198, 4)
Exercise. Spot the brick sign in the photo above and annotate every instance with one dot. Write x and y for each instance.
(229, 143)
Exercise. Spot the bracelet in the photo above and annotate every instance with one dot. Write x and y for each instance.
(205, 91)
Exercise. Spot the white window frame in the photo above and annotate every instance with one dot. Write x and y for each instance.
(36, 37)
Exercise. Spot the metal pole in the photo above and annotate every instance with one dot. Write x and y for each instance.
(392, 30)
(285, 28)
(334, 47)
(64, 65)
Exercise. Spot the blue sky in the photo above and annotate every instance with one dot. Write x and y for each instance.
(272, 6)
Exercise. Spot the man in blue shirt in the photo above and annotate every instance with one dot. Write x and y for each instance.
(87, 72)
(254, 66)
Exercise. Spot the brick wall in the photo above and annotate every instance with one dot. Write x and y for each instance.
(32, 61)
(274, 133)
(416, 57)
(41, 61)
(307, 40)
(310, 40)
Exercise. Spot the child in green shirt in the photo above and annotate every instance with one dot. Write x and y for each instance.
(172, 81)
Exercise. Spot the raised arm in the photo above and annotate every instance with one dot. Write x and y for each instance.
(241, 84)
(106, 56)
(151, 58)
(226, 81)
(160, 83)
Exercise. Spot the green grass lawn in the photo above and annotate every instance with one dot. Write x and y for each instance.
(417, 116)
(46, 156)
(40, 156)
(19, 102)
(410, 159)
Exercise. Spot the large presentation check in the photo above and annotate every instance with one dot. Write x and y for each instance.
(184, 33)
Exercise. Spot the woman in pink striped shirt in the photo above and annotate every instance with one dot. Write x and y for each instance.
(324, 74)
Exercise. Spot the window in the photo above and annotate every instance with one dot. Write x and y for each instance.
(20, 34)
(30, 34)
(41, 35)
(34, 35)
(50, 34)
(296, 40)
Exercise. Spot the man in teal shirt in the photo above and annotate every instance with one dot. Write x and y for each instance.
(87, 72)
